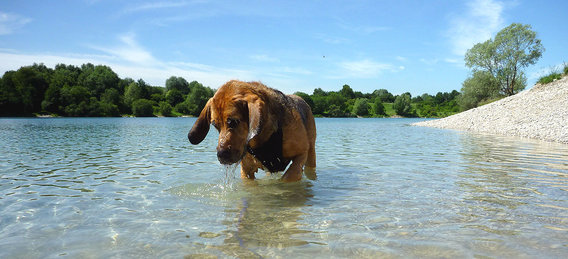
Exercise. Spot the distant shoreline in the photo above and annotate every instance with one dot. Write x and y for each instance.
(538, 113)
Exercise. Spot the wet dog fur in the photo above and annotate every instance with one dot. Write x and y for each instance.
(262, 128)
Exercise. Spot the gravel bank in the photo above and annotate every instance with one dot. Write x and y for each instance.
(539, 113)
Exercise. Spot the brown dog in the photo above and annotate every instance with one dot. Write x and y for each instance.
(261, 127)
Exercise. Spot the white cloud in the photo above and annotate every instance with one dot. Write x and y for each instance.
(11, 22)
(482, 19)
(129, 50)
(154, 74)
(365, 69)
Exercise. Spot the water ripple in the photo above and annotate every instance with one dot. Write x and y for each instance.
(135, 187)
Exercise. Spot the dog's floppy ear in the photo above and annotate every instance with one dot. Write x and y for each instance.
(201, 126)
(261, 123)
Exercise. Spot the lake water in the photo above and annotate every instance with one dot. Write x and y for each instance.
(136, 188)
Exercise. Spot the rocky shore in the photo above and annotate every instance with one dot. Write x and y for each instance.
(539, 113)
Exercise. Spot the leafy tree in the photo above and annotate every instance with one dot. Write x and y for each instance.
(197, 99)
(335, 111)
(143, 108)
(22, 91)
(62, 76)
(111, 95)
(337, 100)
(384, 95)
(124, 83)
(135, 91)
(513, 48)
(402, 105)
(74, 100)
(347, 92)
(320, 104)
(361, 107)
(108, 109)
(482, 86)
(378, 107)
(174, 96)
(179, 84)
(319, 92)
(10, 98)
(98, 79)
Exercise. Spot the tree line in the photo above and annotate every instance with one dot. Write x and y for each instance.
(97, 91)
(380, 103)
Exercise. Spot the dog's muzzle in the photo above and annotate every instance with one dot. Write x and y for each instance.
(228, 156)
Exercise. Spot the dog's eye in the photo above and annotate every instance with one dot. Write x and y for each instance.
(232, 123)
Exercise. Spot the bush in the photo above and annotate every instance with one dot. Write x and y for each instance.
(554, 74)
(549, 78)
(165, 109)
(143, 108)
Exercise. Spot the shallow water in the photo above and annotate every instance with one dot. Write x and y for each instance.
(135, 187)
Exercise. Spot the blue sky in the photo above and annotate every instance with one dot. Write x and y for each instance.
(414, 46)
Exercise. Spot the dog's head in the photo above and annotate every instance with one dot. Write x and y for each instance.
(239, 111)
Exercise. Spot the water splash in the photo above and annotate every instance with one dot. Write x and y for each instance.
(225, 186)
(229, 180)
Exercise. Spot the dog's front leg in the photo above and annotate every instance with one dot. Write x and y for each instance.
(248, 167)
(294, 172)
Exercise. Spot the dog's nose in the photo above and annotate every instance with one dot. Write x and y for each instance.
(224, 156)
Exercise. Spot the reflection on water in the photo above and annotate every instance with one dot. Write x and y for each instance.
(127, 187)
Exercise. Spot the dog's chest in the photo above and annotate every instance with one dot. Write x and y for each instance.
(270, 153)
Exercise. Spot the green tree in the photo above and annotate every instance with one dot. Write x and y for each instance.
(10, 99)
(385, 96)
(22, 91)
(378, 107)
(174, 96)
(143, 108)
(75, 100)
(361, 107)
(63, 75)
(480, 87)
(513, 48)
(111, 96)
(179, 84)
(320, 105)
(336, 104)
(319, 92)
(197, 99)
(136, 90)
(402, 105)
(347, 92)
(165, 109)
(98, 79)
